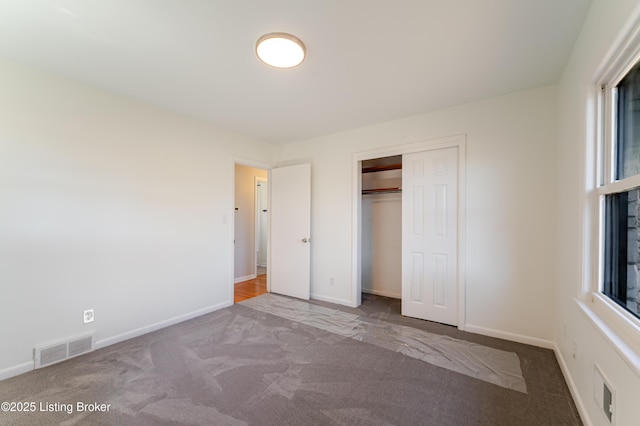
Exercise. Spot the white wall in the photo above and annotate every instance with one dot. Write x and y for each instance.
(109, 204)
(607, 22)
(510, 206)
(245, 221)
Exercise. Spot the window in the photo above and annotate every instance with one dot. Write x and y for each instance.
(620, 192)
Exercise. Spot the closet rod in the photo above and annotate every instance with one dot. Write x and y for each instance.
(373, 169)
(381, 191)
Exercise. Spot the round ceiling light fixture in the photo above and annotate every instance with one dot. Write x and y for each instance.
(280, 50)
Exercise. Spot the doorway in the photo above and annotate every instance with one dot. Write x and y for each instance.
(415, 211)
(250, 231)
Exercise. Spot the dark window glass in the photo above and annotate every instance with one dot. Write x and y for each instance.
(628, 125)
(622, 253)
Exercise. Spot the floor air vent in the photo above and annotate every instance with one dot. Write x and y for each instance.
(51, 354)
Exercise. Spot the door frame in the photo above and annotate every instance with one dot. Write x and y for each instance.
(458, 141)
(232, 222)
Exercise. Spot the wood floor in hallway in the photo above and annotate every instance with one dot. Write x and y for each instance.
(251, 288)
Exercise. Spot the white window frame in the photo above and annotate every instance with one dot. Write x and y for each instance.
(619, 326)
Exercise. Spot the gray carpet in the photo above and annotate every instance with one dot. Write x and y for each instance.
(242, 366)
(495, 366)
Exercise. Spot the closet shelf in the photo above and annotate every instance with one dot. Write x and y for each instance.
(381, 168)
(381, 191)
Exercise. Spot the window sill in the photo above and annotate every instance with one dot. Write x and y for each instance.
(621, 332)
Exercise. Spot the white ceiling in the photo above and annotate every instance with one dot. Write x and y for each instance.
(369, 61)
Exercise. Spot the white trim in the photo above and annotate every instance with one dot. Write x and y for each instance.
(251, 163)
(514, 337)
(458, 141)
(582, 410)
(99, 344)
(620, 185)
(619, 328)
(356, 231)
(268, 266)
(621, 334)
(462, 230)
(624, 54)
(332, 300)
(624, 320)
(16, 370)
(245, 278)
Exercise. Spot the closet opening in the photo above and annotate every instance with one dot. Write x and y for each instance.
(381, 221)
(409, 227)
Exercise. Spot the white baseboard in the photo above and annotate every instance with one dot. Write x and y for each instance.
(245, 278)
(332, 300)
(28, 366)
(534, 341)
(16, 370)
(584, 416)
(547, 344)
(382, 293)
(159, 325)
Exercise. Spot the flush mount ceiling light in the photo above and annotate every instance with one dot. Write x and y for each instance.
(280, 50)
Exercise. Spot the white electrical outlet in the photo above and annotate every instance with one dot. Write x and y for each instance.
(604, 394)
(88, 316)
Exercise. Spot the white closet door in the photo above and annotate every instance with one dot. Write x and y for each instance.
(429, 235)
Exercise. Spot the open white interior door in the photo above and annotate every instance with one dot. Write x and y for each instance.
(429, 235)
(290, 231)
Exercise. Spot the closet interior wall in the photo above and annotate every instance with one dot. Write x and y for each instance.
(382, 226)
